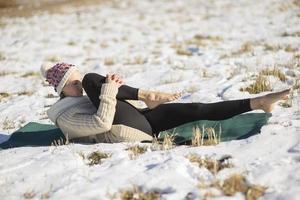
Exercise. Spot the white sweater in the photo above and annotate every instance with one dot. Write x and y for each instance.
(79, 120)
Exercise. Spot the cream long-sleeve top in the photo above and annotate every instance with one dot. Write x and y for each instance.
(80, 121)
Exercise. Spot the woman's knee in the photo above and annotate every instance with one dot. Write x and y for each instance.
(92, 79)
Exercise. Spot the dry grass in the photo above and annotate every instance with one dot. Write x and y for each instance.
(45, 195)
(287, 48)
(294, 34)
(208, 37)
(28, 8)
(202, 40)
(51, 96)
(213, 165)
(297, 56)
(4, 95)
(71, 43)
(261, 84)
(26, 93)
(53, 59)
(290, 48)
(206, 74)
(297, 3)
(270, 47)
(234, 184)
(136, 193)
(60, 142)
(192, 89)
(206, 137)
(29, 194)
(96, 157)
(4, 73)
(165, 143)
(137, 60)
(246, 47)
(238, 183)
(8, 124)
(274, 72)
(168, 142)
(29, 74)
(103, 45)
(2, 57)
(156, 144)
(183, 51)
(109, 61)
(136, 150)
(288, 102)
(297, 85)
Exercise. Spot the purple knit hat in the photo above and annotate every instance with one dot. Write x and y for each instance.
(57, 75)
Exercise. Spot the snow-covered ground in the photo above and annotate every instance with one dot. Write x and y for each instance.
(143, 41)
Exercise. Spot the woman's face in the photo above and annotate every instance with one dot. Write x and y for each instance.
(73, 87)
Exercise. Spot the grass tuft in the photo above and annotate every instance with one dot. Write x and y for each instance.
(53, 59)
(136, 150)
(202, 40)
(235, 183)
(4, 73)
(274, 72)
(163, 143)
(109, 61)
(8, 124)
(50, 96)
(288, 102)
(137, 193)
(213, 165)
(2, 57)
(183, 51)
(297, 3)
(294, 34)
(168, 142)
(60, 142)
(238, 183)
(206, 137)
(137, 60)
(27, 93)
(270, 47)
(261, 84)
(29, 194)
(245, 48)
(96, 157)
(290, 48)
(4, 95)
(71, 43)
(28, 74)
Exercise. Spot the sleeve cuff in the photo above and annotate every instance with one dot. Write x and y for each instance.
(110, 89)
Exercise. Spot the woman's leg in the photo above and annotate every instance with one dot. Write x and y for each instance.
(92, 82)
(126, 113)
(166, 116)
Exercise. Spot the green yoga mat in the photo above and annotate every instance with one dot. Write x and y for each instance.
(238, 127)
(235, 128)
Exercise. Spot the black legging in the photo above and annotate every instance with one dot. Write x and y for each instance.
(164, 116)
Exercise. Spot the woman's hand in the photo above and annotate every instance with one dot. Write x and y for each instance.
(114, 78)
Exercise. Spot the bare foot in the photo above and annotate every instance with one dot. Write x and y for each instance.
(153, 99)
(267, 102)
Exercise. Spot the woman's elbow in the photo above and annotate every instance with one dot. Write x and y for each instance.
(106, 126)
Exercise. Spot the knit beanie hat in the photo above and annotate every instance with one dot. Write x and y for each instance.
(58, 74)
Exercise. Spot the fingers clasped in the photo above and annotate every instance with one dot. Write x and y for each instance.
(114, 78)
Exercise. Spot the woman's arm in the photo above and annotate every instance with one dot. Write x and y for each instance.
(75, 124)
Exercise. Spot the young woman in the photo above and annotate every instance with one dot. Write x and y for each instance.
(104, 115)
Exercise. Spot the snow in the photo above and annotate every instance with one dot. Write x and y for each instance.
(139, 36)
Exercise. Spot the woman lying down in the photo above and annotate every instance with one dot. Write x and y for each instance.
(104, 115)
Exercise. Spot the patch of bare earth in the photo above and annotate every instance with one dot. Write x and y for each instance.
(26, 8)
